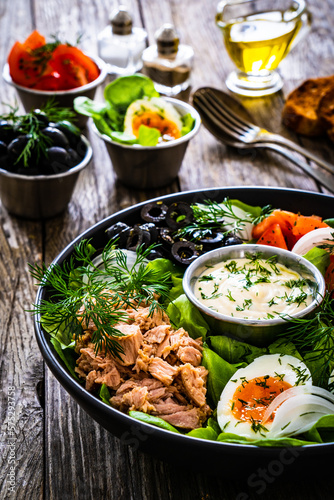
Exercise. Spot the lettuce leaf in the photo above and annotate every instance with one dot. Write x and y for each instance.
(319, 257)
(220, 372)
(227, 437)
(151, 419)
(183, 313)
(233, 350)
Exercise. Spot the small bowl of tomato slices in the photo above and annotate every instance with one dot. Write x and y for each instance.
(39, 70)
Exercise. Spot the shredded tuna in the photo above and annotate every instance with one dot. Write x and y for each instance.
(159, 371)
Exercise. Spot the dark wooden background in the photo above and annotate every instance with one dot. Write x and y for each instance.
(60, 452)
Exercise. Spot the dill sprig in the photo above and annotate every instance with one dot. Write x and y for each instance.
(314, 337)
(31, 126)
(82, 294)
(212, 216)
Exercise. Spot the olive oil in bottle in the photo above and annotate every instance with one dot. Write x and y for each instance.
(259, 42)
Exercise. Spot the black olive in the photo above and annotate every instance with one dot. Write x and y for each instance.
(70, 131)
(42, 117)
(81, 148)
(16, 147)
(152, 229)
(179, 214)
(154, 254)
(4, 163)
(166, 237)
(209, 240)
(56, 162)
(154, 211)
(57, 138)
(7, 132)
(232, 239)
(74, 158)
(137, 238)
(184, 252)
(120, 232)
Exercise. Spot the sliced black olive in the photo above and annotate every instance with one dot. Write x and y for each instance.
(42, 117)
(209, 239)
(154, 211)
(137, 238)
(166, 237)
(120, 232)
(232, 240)
(70, 131)
(152, 229)
(7, 132)
(179, 214)
(57, 138)
(184, 252)
(57, 160)
(154, 254)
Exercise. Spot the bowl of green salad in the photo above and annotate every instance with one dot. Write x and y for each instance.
(146, 135)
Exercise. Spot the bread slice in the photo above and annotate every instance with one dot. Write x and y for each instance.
(300, 112)
(325, 113)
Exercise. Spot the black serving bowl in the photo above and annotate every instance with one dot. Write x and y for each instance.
(197, 454)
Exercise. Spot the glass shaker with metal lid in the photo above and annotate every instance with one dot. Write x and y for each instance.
(121, 45)
(168, 63)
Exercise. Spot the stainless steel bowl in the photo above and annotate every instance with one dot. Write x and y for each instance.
(36, 99)
(40, 196)
(258, 332)
(151, 167)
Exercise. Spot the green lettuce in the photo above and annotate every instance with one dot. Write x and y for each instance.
(109, 116)
(319, 257)
(183, 313)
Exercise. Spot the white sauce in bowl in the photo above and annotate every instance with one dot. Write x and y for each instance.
(253, 288)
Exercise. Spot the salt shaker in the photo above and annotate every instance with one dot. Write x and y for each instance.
(121, 45)
(168, 63)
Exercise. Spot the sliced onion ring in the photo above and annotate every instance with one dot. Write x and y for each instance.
(321, 236)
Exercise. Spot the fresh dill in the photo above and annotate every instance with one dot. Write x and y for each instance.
(212, 217)
(83, 296)
(31, 126)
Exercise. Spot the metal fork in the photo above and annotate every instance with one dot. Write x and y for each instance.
(223, 135)
(242, 130)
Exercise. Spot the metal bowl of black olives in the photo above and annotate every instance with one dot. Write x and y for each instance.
(41, 156)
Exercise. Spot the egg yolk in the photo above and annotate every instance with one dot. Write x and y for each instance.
(252, 397)
(154, 120)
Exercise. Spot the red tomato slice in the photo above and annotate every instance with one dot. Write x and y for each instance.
(74, 67)
(34, 41)
(273, 237)
(22, 67)
(49, 82)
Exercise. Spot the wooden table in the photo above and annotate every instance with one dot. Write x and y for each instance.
(59, 452)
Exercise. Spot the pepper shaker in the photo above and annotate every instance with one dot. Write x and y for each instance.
(169, 63)
(121, 45)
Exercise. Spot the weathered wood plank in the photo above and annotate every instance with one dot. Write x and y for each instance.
(21, 366)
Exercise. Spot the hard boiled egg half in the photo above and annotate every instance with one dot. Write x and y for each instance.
(244, 402)
(154, 113)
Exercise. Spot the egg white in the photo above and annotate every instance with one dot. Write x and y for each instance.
(271, 364)
(155, 105)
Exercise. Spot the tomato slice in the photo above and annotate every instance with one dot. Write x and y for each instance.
(273, 237)
(34, 41)
(74, 67)
(22, 66)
